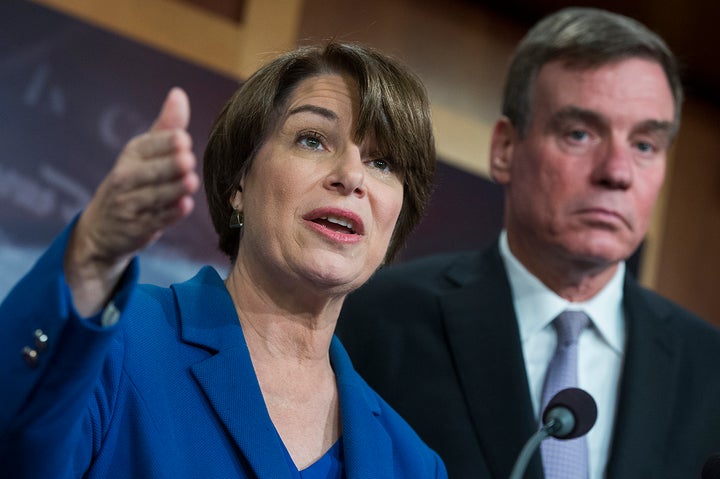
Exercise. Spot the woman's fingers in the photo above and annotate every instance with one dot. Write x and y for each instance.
(158, 143)
(140, 198)
(153, 161)
(153, 206)
(150, 187)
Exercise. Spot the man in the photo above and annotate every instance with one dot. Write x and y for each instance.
(461, 344)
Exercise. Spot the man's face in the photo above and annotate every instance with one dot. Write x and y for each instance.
(582, 182)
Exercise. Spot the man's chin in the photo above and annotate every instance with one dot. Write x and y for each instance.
(602, 256)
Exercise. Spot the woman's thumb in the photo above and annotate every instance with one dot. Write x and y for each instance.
(175, 111)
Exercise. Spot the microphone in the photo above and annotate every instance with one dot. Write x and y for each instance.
(569, 414)
(711, 469)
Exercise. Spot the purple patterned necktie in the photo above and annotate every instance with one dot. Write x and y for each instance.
(564, 459)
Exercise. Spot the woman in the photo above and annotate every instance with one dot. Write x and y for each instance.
(315, 172)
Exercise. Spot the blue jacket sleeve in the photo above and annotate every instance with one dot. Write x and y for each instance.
(51, 359)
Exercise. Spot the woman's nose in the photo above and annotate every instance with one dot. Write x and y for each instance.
(348, 173)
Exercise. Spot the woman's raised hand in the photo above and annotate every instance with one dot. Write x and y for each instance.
(150, 187)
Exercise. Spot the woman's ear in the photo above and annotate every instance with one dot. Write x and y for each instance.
(502, 143)
(236, 200)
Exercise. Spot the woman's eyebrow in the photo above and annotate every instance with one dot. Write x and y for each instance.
(318, 110)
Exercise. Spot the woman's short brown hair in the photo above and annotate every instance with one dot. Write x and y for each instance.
(394, 107)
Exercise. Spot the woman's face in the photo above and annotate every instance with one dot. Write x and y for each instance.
(318, 206)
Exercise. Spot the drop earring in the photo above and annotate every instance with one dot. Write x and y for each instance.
(237, 219)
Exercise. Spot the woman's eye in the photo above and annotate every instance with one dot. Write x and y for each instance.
(382, 164)
(311, 141)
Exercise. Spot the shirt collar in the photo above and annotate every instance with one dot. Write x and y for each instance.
(536, 305)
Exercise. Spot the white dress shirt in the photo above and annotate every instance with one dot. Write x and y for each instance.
(601, 347)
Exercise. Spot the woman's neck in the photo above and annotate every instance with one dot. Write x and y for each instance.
(288, 334)
(294, 323)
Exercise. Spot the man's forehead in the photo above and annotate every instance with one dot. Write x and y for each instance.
(630, 82)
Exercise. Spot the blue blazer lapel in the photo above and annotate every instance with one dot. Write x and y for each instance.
(367, 448)
(484, 339)
(647, 389)
(229, 382)
(227, 378)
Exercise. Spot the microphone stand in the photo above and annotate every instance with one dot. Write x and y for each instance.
(523, 459)
(569, 414)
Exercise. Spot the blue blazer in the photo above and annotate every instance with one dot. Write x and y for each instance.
(167, 391)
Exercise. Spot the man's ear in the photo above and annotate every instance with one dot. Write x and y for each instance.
(504, 137)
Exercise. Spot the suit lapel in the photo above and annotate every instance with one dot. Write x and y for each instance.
(227, 378)
(484, 338)
(647, 389)
(229, 382)
(367, 448)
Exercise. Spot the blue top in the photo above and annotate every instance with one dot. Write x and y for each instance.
(169, 391)
(329, 466)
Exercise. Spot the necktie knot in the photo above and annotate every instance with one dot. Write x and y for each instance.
(569, 325)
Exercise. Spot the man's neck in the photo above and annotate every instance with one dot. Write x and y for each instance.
(572, 279)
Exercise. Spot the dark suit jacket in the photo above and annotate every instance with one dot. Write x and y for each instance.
(439, 340)
(169, 391)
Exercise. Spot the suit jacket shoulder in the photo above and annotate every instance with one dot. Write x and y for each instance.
(669, 393)
(437, 337)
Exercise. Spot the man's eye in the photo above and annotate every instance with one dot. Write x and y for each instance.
(578, 135)
(645, 147)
